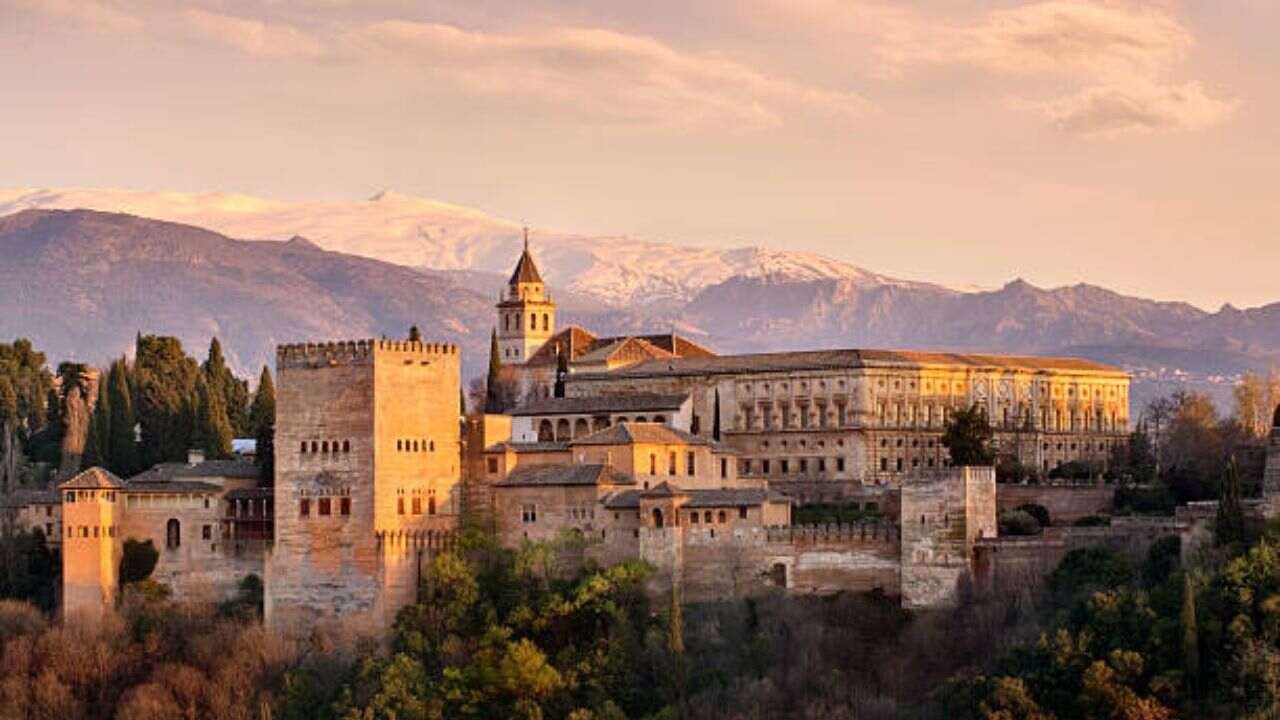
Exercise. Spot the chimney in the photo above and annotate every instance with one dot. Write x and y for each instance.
(195, 457)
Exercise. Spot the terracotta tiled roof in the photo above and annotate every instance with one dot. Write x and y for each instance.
(529, 447)
(23, 497)
(554, 475)
(94, 478)
(234, 468)
(582, 346)
(601, 404)
(699, 499)
(663, 490)
(253, 493)
(838, 359)
(628, 433)
(173, 486)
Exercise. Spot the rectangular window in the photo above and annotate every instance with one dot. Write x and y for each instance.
(804, 465)
(671, 464)
(653, 464)
(689, 466)
(528, 514)
(764, 466)
(839, 464)
(784, 466)
(693, 518)
(326, 507)
(400, 506)
(417, 506)
(724, 468)
(206, 532)
(822, 464)
(493, 466)
(304, 507)
(344, 506)
(742, 513)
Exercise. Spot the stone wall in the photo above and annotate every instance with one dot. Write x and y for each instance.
(942, 518)
(1065, 503)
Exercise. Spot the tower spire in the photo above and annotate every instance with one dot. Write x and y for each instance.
(526, 238)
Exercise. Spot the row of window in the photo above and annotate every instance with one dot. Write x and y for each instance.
(324, 506)
(415, 505)
(514, 318)
(89, 495)
(786, 466)
(85, 531)
(324, 447)
(414, 445)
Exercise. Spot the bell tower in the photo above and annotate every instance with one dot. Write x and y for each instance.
(526, 314)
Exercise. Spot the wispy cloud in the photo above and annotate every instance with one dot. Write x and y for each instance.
(95, 15)
(608, 74)
(252, 36)
(1107, 111)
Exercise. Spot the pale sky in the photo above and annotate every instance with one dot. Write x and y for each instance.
(1134, 145)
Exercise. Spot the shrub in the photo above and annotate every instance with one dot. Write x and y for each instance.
(1019, 522)
(1163, 559)
(1075, 470)
(1037, 511)
(1087, 570)
(1148, 500)
(1093, 521)
(138, 561)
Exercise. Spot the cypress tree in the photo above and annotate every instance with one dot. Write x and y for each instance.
(492, 404)
(234, 391)
(715, 419)
(97, 441)
(562, 372)
(262, 418)
(121, 440)
(165, 393)
(1190, 635)
(211, 429)
(1229, 525)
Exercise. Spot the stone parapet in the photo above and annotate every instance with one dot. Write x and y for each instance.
(354, 352)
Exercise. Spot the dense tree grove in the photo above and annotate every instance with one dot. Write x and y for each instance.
(262, 423)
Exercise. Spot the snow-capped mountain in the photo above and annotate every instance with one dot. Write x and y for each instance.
(618, 271)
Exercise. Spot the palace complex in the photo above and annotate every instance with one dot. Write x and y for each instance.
(647, 447)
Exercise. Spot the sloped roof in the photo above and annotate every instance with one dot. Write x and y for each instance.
(557, 475)
(854, 358)
(94, 478)
(628, 433)
(663, 490)
(233, 468)
(173, 486)
(528, 447)
(22, 497)
(601, 404)
(253, 493)
(697, 499)
(526, 271)
(580, 345)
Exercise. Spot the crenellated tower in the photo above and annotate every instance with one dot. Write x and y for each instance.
(526, 314)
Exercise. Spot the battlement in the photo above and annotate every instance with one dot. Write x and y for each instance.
(355, 352)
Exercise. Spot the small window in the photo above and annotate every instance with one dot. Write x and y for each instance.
(707, 517)
(493, 465)
(399, 445)
(671, 464)
(529, 514)
(417, 506)
(344, 506)
(724, 468)
(315, 446)
(346, 446)
(206, 532)
(431, 505)
(689, 464)
(840, 464)
(400, 506)
(693, 518)
(304, 507)
(324, 447)
(304, 447)
(173, 534)
(326, 507)
(653, 464)
(721, 518)
(742, 513)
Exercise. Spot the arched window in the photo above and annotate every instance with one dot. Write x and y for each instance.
(659, 418)
(546, 322)
(580, 427)
(720, 518)
(173, 534)
(399, 444)
(562, 429)
(324, 446)
(346, 446)
(431, 505)
(545, 431)
(657, 518)
(707, 517)
(415, 446)
(432, 445)
(304, 447)
(533, 321)
(315, 446)
(506, 322)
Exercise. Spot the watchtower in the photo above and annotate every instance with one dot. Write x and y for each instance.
(526, 314)
(91, 506)
(367, 476)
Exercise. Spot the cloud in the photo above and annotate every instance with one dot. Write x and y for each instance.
(1108, 111)
(607, 74)
(1053, 36)
(97, 15)
(254, 37)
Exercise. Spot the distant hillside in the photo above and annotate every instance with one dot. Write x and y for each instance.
(82, 283)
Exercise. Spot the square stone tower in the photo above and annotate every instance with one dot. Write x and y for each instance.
(91, 509)
(1271, 476)
(367, 477)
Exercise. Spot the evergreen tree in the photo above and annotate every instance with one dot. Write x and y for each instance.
(492, 404)
(415, 335)
(121, 440)
(1190, 635)
(715, 418)
(562, 372)
(98, 438)
(1229, 525)
(968, 438)
(262, 419)
(165, 387)
(234, 391)
(211, 429)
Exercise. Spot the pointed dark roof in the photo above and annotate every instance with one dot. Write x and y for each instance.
(95, 478)
(526, 271)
